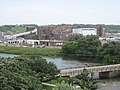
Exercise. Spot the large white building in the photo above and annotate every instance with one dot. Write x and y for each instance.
(85, 31)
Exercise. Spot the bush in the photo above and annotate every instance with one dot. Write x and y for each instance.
(25, 72)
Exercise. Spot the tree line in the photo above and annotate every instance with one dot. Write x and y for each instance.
(15, 28)
(90, 47)
(22, 27)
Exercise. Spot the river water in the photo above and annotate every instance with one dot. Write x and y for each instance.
(109, 84)
(69, 63)
(7, 55)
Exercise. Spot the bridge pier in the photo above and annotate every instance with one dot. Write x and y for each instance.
(119, 73)
(103, 75)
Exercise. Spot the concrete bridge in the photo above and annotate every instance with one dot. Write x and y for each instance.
(104, 71)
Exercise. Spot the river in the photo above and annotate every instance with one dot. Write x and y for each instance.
(109, 84)
(7, 55)
(69, 63)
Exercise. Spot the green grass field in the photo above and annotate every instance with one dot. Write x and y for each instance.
(30, 51)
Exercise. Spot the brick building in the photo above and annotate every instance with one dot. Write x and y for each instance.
(53, 33)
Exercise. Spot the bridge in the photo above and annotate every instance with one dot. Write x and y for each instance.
(103, 71)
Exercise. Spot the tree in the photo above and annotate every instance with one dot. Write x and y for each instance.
(74, 37)
(65, 86)
(84, 47)
(25, 72)
(85, 80)
(46, 70)
(14, 76)
(88, 45)
(69, 48)
(110, 53)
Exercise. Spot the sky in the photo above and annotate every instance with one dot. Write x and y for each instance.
(46, 12)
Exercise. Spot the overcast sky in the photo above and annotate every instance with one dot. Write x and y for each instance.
(43, 12)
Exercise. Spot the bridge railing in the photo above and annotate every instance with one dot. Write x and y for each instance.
(78, 67)
(76, 70)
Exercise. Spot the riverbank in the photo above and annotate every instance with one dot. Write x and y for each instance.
(50, 52)
(30, 51)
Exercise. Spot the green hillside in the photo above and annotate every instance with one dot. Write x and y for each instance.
(13, 28)
(22, 28)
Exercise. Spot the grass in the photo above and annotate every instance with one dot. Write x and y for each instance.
(30, 51)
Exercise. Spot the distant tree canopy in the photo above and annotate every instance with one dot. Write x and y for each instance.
(15, 28)
(12, 28)
(22, 27)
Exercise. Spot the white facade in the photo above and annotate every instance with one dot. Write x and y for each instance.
(16, 41)
(85, 31)
(32, 42)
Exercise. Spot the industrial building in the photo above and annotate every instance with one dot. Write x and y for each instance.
(99, 31)
(85, 31)
(61, 32)
(53, 35)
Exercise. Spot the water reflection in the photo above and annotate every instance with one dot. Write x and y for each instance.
(62, 63)
(7, 55)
